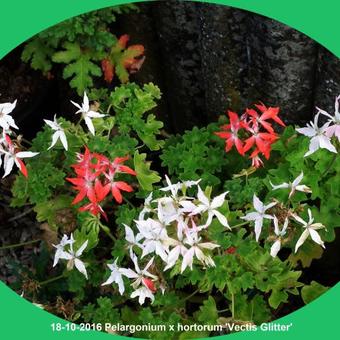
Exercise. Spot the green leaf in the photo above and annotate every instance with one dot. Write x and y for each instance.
(207, 314)
(145, 176)
(49, 210)
(306, 254)
(80, 67)
(312, 291)
(39, 54)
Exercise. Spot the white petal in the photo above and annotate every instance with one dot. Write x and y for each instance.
(55, 138)
(222, 219)
(307, 131)
(77, 105)
(258, 205)
(129, 273)
(299, 219)
(187, 259)
(301, 240)
(80, 266)
(94, 114)
(252, 216)
(313, 146)
(63, 140)
(270, 205)
(89, 124)
(325, 143)
(51, 124)
(280, 186)
(201, 197)
(86, 103)
(148, 264)
(275, 248)
(9, 162)
(297, 180)
(208, 245)
(218, 201)
(82, 248)
(276, 226)
(26, 154)
(109, 280)
(316, 237)
(258, 228)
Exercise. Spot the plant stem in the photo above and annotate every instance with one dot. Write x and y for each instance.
(233, 306)
(10, 246)
(239, 225)
(51, 280)
(223, 310)
(329, 166)
(191, 295)
(107, 231)
(128, 202)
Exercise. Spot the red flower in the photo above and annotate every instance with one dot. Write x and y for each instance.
(266, 114)
(96, 177)
(257, 130)
(230, 133)
(256, 160)
(94, 209)
(262, 140)
(149, 284)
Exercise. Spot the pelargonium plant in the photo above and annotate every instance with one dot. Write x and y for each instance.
(196, 238)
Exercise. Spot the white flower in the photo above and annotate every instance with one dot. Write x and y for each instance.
(60, 248)
(294, 186)
(143, 293)
(279, 233)
(6, 121)
(146, 207)
(154, 234)
(195, 249)
(132, 239)
(178, 186)
(210, 207)
(334, 129)
(319, 140)
(73, 257)
(12, 157)
(115, 276)
(138, 274)
(167, 211)
(87, 114)
(58, 134)
(177, 250)
(259, 215)
(310, 229)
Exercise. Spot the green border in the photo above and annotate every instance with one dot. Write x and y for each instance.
(21, 19)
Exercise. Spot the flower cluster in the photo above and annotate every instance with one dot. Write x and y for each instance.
(171, 231)
(73, 257)
(253, 131)
(321, 136)
(10, 150)
(96, 178)
(261, 213)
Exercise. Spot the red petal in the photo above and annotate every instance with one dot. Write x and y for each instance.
(127, 170)
(124, 186)
(101, 190)
(248, 143)
(149, 284)
(23, 168)
(116, 194)
(123, 40)
(81, 195)
(229, 144)
(239, 146)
